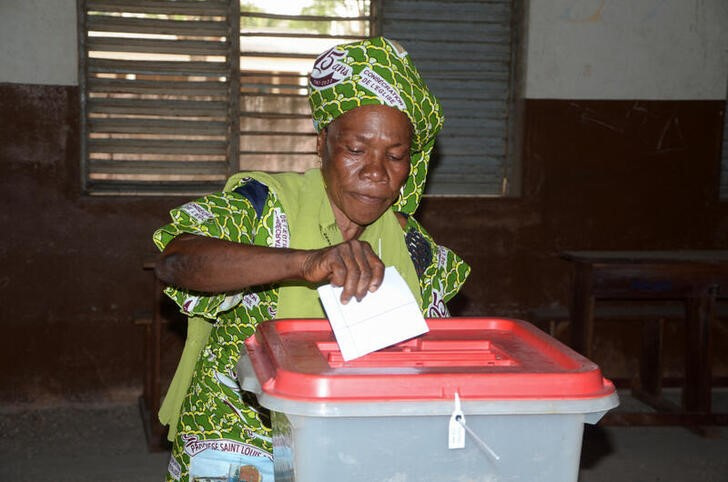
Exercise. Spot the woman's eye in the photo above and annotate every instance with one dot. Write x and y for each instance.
(354, 150)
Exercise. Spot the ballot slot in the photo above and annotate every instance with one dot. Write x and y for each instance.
(424, 353)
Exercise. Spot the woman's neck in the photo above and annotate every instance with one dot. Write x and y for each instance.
(349, 229)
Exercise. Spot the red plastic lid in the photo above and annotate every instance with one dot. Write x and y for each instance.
(480, 358)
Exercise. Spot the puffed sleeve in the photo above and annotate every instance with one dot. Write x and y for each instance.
(225, 215)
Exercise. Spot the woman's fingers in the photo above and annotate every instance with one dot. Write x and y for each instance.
(358, 271)
(351, 265)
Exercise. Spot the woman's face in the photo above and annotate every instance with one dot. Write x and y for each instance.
(365, 161)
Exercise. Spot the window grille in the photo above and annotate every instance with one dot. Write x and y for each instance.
(178, 95)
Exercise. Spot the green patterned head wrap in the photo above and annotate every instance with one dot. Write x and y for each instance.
(378, 71)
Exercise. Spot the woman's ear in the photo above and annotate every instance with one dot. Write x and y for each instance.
(321, 142)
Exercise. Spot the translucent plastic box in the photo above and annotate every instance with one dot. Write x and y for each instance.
(391, 415)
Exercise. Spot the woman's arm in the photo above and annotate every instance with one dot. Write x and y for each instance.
(212, 265)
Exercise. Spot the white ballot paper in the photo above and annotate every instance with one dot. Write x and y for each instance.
(382, 318)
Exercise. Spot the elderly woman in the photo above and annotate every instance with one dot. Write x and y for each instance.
(258, 250)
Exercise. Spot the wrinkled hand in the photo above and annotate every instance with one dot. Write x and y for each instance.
(352, 265)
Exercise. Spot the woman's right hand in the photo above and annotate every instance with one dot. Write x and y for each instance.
(212, 265)
(351, 264)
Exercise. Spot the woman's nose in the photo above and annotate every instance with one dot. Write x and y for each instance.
(374, 168)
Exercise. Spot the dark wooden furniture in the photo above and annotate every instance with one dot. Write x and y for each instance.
(150, 399)
(693, 277)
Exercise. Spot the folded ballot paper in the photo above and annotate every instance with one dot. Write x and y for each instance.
(382, 318)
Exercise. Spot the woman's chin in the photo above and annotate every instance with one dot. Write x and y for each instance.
(365, 219)
(364, 210)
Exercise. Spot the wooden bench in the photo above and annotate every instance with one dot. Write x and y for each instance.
(693, 277)
(547, 318)
(652, 317)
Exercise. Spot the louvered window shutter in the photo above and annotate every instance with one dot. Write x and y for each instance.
(463, 51)
(177, 95)
(277, 50)
(158, 107)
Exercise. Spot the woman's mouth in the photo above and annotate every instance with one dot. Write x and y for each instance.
(368, 199)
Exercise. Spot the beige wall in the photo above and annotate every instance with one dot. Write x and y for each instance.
(627, 49)
(576, 49)
(38, 42)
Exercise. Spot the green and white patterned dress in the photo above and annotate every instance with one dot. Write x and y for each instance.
(219, 424)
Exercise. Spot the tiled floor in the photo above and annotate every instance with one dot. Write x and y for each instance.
(106, 443)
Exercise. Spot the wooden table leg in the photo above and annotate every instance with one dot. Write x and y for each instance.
(650, 378)
(156, 354)
(700, 310)
(581, 314)
(147, 390)
(150, 400)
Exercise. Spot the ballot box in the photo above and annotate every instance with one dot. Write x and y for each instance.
(473, 399)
